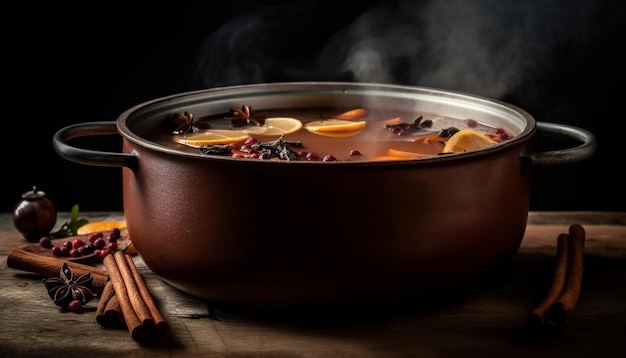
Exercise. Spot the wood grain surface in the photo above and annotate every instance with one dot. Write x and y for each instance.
(490, 321)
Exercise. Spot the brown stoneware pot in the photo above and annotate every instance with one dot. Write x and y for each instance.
(283, 233)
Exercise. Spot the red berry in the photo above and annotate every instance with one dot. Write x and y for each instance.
(92, 237)
(56, 251)
(101, 254)
(112, 246)
(250, 141)
(75, 306)
(472, 123)
(68, 244)
(354, 153)
(64, 251)
(329, 158)
(75, 253)
(77, 243)
(45, 242)
(100, 243)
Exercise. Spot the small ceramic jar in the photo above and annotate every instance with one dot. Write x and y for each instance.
(35, 215)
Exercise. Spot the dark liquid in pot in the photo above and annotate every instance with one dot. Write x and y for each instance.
(373, 142)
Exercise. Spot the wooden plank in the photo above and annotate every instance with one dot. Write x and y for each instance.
(489, 322)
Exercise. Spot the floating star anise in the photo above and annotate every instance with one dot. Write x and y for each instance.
(242, 117)
(64, 289)
(185, 123)
(403, 128)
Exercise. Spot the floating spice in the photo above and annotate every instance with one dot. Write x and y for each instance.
(404, 127)
(243, 117)
(186, 122)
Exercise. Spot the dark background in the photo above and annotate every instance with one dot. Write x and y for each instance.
(562, 61)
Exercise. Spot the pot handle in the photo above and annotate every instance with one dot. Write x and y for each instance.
(564, 156)
(87, 156)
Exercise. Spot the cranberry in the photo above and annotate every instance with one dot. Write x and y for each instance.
(56, 251)
(64, 251)
(354, 153)
(250, 140)
(100, 243)
(101, 254)
(68, 245)
(471, 123)
(77, 243)
(312, 156)
(113, 246)
(397, 131)
(75, 306)
(74, 253)
(92, 237)
(114, 234)
(329, 158)
(45, 242)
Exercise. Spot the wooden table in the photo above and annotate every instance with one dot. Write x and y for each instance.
(489, 322)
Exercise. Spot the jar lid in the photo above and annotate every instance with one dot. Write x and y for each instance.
(34, 194)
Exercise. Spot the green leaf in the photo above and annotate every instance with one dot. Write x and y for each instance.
(70, 228)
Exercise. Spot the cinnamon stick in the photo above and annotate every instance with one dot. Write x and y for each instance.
(136, 310)
(109, 313)
(563, 307)
(551, 315)
(159, 321)
(21, 259)
(538, 316)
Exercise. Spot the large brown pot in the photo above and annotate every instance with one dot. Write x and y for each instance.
(271, 233)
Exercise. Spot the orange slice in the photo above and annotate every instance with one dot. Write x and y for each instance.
(212, 137)
(353, 114)
(390, 121)
(336, 127)
(275, 126)
(466, 140)
(404, 154)
(99, 226)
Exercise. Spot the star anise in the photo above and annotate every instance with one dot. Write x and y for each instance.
(64, 289)
(185, 123)
(244, 116)
(403, 128)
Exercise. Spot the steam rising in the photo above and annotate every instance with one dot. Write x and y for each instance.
(487, 47)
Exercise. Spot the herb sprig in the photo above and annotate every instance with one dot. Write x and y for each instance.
(70, 228)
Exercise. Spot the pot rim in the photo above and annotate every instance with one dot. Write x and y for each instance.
(230, 96)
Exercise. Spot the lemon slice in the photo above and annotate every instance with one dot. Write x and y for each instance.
(99, 226)
(212, 137)
(466, 140)
(335, 127)
(275, 126)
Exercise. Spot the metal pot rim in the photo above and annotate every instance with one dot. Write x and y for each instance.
(139, 118)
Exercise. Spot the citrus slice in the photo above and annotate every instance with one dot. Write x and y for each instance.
(335, 127)
(212, 137)
(395, 153)
(275, 126)
(353, 114)
(390, 121)
(466, 140)
(99, 226)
